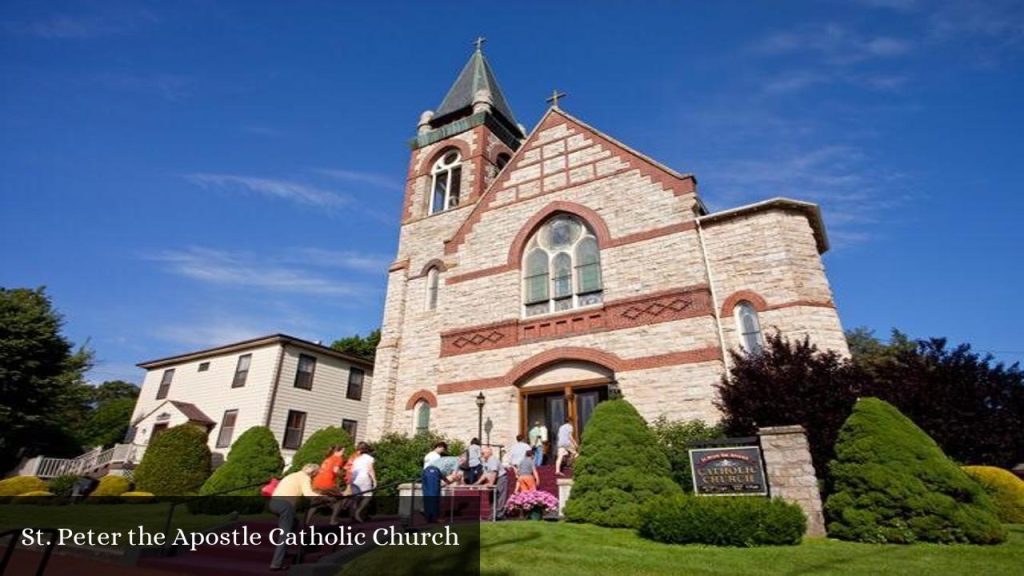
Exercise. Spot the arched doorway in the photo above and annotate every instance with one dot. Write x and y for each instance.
(564, 391)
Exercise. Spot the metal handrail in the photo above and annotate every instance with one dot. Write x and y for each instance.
(174, 505)
(9, 551)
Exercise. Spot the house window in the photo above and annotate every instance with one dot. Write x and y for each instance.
(241, 370)
(561, 267)
(294, 428)
(422, 417)
(749, 327)
(227, 428)
(433, 278)
(204, 366)
(304, 374)
(158, 429)
(446, 176)
(351, 427)
(165, 384)
(355, 384)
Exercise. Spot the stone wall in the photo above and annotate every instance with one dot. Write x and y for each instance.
(787, 458)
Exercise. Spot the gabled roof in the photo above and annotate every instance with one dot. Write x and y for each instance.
(254, 343)
(190, 411)
(476, 75)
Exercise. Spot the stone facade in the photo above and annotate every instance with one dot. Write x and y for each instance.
(671, 275)
(787, 460)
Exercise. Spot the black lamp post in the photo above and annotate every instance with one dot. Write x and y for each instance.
(614, 391)
(480, 401)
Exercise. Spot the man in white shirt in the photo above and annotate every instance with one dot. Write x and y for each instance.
(566, 445)
(538, 436)
(518, 451)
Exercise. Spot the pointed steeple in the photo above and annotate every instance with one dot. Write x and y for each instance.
(476, 79)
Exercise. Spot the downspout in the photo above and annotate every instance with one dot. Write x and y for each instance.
(273, 386)
(714, 296)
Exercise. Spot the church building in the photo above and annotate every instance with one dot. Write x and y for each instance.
(538, 273)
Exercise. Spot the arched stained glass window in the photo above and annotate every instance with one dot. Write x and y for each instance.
(562, 267)
(433, 279)
(749, 327)
(446, 181)
(422, 417)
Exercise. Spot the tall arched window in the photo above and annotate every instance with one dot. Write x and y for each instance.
(433, 279)
(422, 417)
(446, 179)
(749, 327)
(561, 267)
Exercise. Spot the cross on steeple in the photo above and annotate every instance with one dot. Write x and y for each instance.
(555, 95)
(479, 43)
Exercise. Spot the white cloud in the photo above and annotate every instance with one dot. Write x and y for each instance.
(346, 259)
(285, 189)
(833, 43)
(370, 178)
(246, 270)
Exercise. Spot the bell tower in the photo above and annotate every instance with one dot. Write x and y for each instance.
(460, 147)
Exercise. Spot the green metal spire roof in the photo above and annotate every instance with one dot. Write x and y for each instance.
(476, 75)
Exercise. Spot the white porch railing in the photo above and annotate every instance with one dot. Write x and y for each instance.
(45, 467)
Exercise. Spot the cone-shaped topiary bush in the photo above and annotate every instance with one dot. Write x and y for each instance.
(314, 449)
(1005, 489)
(620, 467)
(892, 483)
(176, 463)
(254, 459)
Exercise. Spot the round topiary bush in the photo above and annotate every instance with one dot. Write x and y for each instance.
(620, 467)
(892, 483)
(723, 521)
(111, 485)
(137, 497)
(20, 485)
(254, 459)
(314, 449)
(1004, 488)
(62, 485)
(176, 463)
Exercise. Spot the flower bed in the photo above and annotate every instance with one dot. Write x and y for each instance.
(531, 502)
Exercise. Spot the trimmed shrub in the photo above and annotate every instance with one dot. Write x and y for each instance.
(400, 457)
(892, 483)
(62, 485)
(619, 468)
(176, 463)
(137, 497)
(723, 521)
(314, 449)
(111, 485)
(1004, 488)
(20, 485)
(34, 497)
(675, 437)
(254, 458)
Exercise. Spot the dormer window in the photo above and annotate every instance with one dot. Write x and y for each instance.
(445, 183)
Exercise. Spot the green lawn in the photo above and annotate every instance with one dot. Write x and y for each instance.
(102, 517)
(532, 548)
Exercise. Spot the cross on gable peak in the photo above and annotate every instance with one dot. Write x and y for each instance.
(555, 96)
(479, 43)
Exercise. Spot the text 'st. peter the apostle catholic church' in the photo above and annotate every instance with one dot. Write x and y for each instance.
(543, 269)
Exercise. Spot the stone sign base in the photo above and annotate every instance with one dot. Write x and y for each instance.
(787, 459)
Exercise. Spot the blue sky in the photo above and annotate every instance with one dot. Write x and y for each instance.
(187, 174)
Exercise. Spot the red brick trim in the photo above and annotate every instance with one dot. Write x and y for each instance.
(736, 297)
(399, 265)
(594, 356)
(424, 395)
(515, 251)
(435, 263)
(654, 233)
(651, 308)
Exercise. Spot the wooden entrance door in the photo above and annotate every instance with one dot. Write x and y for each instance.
(554, 405)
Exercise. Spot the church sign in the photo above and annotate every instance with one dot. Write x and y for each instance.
(730, 470)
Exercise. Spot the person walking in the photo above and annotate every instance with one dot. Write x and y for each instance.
(474, 467)
(518, 451)
(364, 480)
(566, 446)
(528, 478)
(538, 438)
(326, 483)
(283, 502)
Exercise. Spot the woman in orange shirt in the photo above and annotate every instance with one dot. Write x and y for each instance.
(326, 482)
